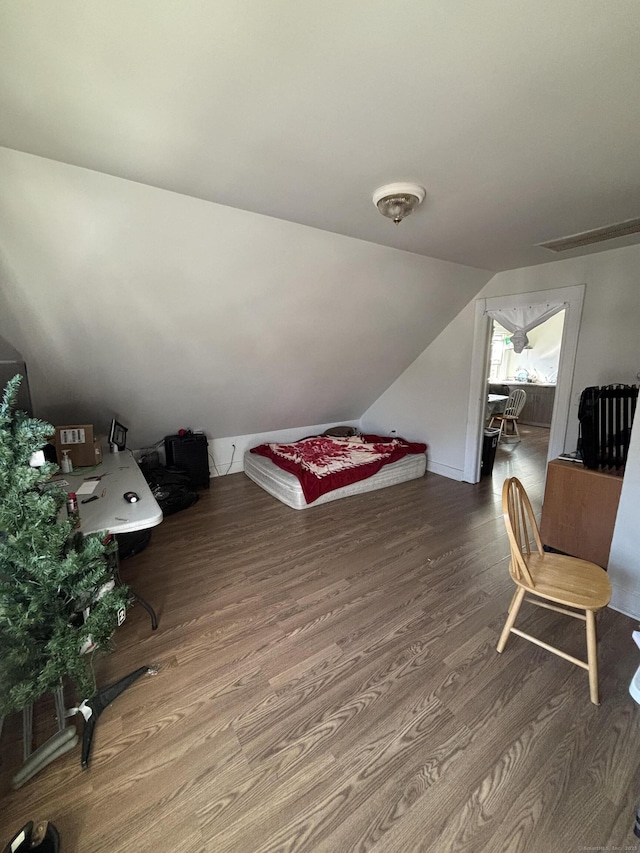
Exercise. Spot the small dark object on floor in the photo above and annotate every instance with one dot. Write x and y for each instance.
(43, 838)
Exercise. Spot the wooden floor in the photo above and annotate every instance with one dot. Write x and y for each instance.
(329, 682)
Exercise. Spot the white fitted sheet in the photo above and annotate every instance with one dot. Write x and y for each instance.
(286, 487)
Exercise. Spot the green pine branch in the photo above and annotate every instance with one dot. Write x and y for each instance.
(49, 575)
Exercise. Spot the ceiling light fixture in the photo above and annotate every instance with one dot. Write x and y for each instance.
(396, 201)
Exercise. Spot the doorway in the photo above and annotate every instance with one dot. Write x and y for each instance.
(531, 373)
(570, 299)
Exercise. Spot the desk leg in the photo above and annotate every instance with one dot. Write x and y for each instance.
(149, 609)
(145, 604)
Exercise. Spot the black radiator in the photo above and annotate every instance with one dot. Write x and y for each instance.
(606, 415)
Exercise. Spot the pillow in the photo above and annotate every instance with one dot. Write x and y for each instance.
(341, 431)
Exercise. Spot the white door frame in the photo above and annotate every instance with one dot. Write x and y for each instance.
(573, 297)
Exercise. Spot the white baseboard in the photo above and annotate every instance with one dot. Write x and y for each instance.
(445, 470)
(625, 601)
(235, 467)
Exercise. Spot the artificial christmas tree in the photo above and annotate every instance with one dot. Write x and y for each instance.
(55, 595)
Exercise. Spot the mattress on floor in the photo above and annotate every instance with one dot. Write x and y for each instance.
(286, 487)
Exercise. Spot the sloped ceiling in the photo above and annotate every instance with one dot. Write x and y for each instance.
(521, 119)
(169, 311)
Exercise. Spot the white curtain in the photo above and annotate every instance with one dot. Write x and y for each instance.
(519, 321)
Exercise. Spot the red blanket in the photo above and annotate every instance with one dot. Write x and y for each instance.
(324, 463)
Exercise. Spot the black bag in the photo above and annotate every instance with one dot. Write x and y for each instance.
(130, 544)
(171, 487)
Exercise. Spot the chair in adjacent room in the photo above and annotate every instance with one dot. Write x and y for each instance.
(508, 419)
(567, 582)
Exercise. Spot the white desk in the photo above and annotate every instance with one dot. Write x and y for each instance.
(111, 512)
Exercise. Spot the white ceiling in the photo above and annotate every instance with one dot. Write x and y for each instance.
(522, 120)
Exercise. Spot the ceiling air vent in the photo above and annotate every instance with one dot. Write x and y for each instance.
(597, 235)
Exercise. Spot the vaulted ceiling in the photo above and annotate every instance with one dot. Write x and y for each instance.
(522, 120)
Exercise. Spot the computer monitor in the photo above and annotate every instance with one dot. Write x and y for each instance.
(117, 436)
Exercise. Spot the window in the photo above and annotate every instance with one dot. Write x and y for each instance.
(500, 343)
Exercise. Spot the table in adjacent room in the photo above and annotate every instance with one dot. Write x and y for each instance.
(495, 403)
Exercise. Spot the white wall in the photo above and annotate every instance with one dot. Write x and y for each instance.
(169, 311)
(430, 400)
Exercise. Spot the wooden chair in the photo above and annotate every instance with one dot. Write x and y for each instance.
(565, 581)
(511, 413)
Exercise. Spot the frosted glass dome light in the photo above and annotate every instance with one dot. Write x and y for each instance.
(395, 201)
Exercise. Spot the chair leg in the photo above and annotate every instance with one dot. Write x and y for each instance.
(513, 601)
(592, 656)
(511, 618)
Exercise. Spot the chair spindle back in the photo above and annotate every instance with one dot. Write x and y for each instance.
(522, 529)
(515, 403)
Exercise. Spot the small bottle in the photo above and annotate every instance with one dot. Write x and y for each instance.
(72, 509)
(66, 465)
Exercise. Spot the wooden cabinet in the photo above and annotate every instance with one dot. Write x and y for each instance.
(579, 510)
(538, 408)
